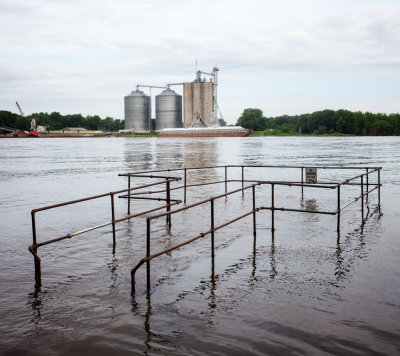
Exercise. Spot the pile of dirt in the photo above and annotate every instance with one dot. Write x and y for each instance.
(17, 133)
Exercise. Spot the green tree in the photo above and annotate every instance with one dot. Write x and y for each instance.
(23, 123)
(252, 119)
(8, 118)
(383, 128)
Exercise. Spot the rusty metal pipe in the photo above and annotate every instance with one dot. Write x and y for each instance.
(212, 228)
(319, 167)
(38, 273)
(148, 221)
(379, 189)
(149, 257)
(226, 179)
(54, 240)
(33, 227)
(152, 176)
(272, 207)
(146, 212)
(362, 200)
(254, 209)
(358, 198)
(338, 209)
(73, 234)
(238, 166)
(170, 170)
(148, 198)
(168, 197)
(184, 186)
(113, 218)
(298, 210)
(242, 179)
(359, 176)
(68, 236)
(203, 234)
(176, 188)
(329, 185)
(129, 199)
(93, 197)
(201, 202)
(133, 272)
(326, 185)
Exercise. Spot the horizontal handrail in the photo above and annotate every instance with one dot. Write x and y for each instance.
(201, 202)
(246, 166)
(101, 195)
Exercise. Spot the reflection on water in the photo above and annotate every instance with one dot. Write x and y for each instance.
(309, 204)
(213, 289)
(200, 153)
(35, 301)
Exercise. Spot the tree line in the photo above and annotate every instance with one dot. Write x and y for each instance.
(56, 121)
(323, 122)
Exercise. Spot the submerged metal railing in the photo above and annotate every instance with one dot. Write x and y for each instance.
(131, 193)
(35, 245)
(211, 231)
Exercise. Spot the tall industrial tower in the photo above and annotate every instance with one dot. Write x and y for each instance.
(201, 100)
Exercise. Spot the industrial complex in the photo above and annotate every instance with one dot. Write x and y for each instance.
(201, 114)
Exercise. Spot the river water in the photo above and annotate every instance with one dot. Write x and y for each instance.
(303, 289)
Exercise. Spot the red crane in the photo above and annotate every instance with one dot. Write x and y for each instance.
(33, 130)
(19, 109)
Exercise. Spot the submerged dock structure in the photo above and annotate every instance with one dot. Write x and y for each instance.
(265, 188)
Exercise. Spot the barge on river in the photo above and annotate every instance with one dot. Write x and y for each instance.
(222, 131)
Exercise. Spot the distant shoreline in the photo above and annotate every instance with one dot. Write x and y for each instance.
(153, 134)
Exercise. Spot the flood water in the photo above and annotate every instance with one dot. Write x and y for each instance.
(303, 289)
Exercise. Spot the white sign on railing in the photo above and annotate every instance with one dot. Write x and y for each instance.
(311, 175)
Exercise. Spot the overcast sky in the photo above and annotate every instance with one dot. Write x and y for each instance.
(284, 57)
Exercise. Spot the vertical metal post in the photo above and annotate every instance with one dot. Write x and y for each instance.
(212, 228)
(272, 207)
(36, 257)
(338, 208)
(168, 202)
(184, 188)
(148, 253)
(254, 210)
(242, 180)
(113, 217)
(302, 182)
(129, 195)
(362, 200)
(379, 189)
(33, 228)
(367, 184)
(226, 179)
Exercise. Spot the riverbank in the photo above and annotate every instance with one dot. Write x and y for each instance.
(77, 135)
(154, 134)
(284, 134)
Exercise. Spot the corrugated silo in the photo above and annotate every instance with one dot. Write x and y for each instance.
(199, 98)
(137, 111)
(168, 110)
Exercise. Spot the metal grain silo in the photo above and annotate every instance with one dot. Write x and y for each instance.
(168, 110)
(137, 111)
